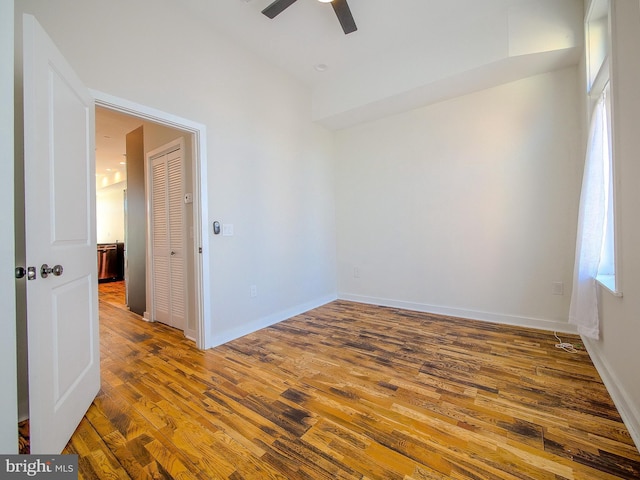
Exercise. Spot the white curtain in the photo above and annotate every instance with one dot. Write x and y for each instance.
(591, 225)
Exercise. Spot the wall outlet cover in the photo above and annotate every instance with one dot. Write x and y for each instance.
(557, 288)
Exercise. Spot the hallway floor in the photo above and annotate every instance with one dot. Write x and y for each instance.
(113, 293)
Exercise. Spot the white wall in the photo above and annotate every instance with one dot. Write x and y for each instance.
(110, 214)
(269, 167)
(8, 376)
(616, 354)
(465, 207)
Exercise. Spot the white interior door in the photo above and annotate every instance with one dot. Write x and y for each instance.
(62, 310)
(167, 236)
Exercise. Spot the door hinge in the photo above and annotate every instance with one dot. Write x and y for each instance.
(199, 249)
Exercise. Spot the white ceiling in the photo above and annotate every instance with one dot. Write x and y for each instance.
(405, 54)
(401, 47)
(389, 31)
(111, 131)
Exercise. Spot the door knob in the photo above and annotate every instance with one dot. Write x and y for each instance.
(46, 270)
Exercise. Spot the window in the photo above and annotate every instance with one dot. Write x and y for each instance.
(597, 46)
(595, 261)
(607, 264)
(597, 33)
(595, 255)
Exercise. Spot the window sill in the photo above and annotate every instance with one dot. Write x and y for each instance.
(609, 284)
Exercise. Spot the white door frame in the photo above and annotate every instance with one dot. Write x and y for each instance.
(200, 199)
(8, 362)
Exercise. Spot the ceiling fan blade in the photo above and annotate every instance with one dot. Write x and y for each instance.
(343, 12)
(277, 7)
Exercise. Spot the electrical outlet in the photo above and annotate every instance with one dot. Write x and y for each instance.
(356, 272)
(253, 291)
(557, 288)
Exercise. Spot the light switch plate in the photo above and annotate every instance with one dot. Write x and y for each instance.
(227, 229)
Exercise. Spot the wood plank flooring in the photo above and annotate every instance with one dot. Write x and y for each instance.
(348, 391)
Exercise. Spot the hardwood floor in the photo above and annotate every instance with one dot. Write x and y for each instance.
(349, 391)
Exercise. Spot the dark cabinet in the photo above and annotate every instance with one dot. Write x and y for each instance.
(110, 262)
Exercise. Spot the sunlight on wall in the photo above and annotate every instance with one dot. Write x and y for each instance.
(110, 214)
(104, 180)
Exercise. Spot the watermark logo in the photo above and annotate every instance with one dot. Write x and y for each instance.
(50, 467)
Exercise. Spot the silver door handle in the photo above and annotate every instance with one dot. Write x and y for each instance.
(46, 270)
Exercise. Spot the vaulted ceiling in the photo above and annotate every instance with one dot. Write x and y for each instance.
(405, 53)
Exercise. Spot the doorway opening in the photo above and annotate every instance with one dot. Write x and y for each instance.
(160, 127)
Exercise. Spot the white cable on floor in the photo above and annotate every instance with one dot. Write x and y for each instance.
(567, 347)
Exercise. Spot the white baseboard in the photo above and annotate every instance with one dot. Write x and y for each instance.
(530, 322)
(269, 320)
(626, 407)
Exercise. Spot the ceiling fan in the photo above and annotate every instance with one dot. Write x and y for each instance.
(343, 12)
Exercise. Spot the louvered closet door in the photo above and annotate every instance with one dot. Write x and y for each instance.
(168, 277)
(175, 195)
